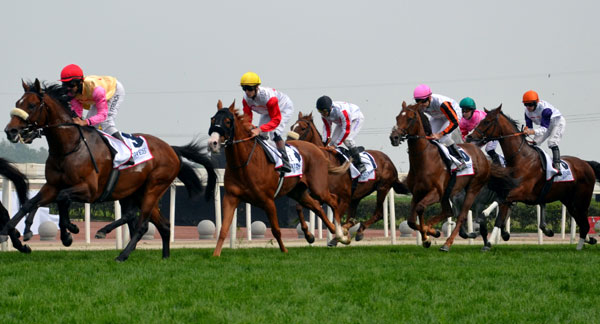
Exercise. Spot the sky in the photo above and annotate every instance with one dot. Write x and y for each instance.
(176, 59)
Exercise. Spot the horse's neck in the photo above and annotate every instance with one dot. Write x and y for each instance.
(239, 154)
(62, 139)
(316, 136)
(418, 149)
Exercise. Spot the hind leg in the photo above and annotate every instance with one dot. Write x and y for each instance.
(378, 215)
(310, 238)
(128, 218)
(162, 225)
(27, 233)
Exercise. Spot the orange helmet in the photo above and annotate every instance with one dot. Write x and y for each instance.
(530, 96)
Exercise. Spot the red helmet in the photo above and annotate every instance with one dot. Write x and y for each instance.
(71, 72)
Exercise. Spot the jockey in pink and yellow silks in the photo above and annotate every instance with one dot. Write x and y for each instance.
(101, 95)
(470, 119)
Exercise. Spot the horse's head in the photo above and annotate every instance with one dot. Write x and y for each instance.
(225, 126)
(408, 123)
(21, 127)
(304, 129)
(488, 128)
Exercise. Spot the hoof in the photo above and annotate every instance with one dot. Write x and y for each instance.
(25, 249)
(120, 259)
(548, 232)
(359, 236)
(472, 235)
(592, 241)
(505, 236)
(27, 236)
(445, 248)
(73, 228)
(3, 238)
(486, 248)
(67, 240)
(100, 235)
(332, 243)
(345, 240)
(437, 234)
(310, 238)
(426, 244)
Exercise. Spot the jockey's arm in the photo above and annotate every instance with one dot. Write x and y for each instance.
(326, 133)
(99, 96)
(247, 111)
(449, 112)
(274, 113)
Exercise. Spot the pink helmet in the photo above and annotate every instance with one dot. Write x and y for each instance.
(422, 91)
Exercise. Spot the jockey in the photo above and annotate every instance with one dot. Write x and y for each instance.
(551, 122)
(275, 107)
(348, 120)
(444, 114)
(101, 95)
(470, 119)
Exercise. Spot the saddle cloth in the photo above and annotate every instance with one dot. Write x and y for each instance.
(135, 146)
(464, 172)
(369, 163)
(565, 169)
(293, 155)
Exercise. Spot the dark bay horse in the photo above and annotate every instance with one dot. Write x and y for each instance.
(79, 164)
(525, 163)
(250, 177)
(21, 187)
(386, 177)
(428, 179)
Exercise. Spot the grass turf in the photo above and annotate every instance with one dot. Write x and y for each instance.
(383, 284)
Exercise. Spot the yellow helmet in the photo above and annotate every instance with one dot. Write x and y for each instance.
(250, 79)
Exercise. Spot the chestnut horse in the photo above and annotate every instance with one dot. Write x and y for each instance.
(250, 177)
(525, 163)
(386, 177)
(428, 178)
(21, 187)
(79, 164)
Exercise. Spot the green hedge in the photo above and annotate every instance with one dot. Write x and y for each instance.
(523, 217)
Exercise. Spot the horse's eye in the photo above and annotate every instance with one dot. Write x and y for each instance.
(32, 106)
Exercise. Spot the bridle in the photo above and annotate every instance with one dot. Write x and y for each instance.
(308, 129)
(228, 133)
(486, 139)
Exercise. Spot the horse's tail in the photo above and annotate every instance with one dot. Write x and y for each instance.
(400, 187)
(501, 182)
(188, 176)
(596, 166)
(338, 169)
(18, 178)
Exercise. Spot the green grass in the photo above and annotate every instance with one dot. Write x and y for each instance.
(385, 284)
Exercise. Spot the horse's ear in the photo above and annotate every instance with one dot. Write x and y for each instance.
(232, 106)
(499, 107)
(403, 104)
(25, 86)
(219, 105)
(299, 114)
(36, 85)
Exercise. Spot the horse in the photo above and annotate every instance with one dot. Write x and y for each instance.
(429, 180)
(526, 164)
(80, 163)
(250, 177)
(21, 187)
(349, 194)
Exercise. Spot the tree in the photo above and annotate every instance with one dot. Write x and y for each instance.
(21, 153)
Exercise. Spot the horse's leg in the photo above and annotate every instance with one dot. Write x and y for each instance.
(472, 192)
(163, 228)
(63, 219)
(444, 214)
(230, 203)
(580, 216)
(135, 238)
(378, 215)
(128, 218)
(310, 238)
(27, 234)
(9, 227)
(271, 210)
(547, 231)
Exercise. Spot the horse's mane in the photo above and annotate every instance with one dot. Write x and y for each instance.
(54, 90)
(424, 120)
(311, 120)
(512, 121)
(241, 118)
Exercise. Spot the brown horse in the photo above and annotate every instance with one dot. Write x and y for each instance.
(79, 164)
(251, 178)
(526, 164)
(386, 177)
(428, 178)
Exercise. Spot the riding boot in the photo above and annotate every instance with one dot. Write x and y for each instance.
(494, 156)
(286, 161)
(456, 153)
(356, 160)
(118, 136)
(556, 159)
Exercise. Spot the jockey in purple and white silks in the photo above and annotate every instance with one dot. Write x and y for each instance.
(470, 119)
(348, 121)
(445, 114)
(552, 124)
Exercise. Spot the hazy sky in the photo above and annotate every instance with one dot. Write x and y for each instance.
(177, 58)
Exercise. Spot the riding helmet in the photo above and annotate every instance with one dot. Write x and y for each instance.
(250, 79)
(467, 103)
(530, 96)
(324, 104)
(422, 91)
(71, 72)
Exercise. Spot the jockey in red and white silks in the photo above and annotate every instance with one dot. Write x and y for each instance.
(275, 109)
(348, 120)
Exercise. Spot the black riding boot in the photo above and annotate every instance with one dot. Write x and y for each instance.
(456, 153)
(556, 158)
(118, 136)
(356, 160)
(286, 161)
(494, 156)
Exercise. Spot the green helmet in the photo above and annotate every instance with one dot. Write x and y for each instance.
(467, 103)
